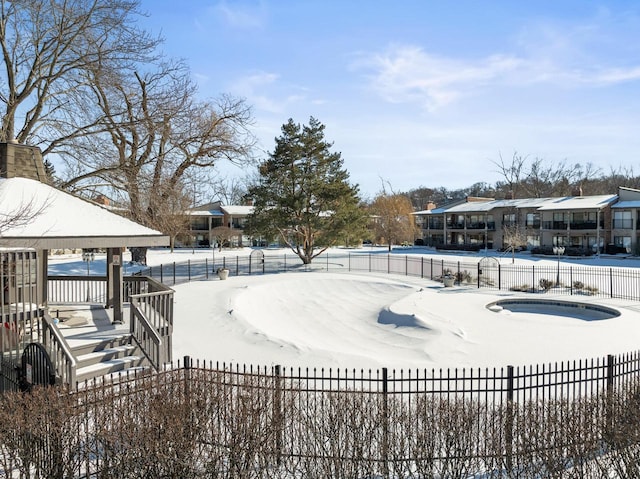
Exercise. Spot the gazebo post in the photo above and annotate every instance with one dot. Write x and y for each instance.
(43, 274)
(114, 283)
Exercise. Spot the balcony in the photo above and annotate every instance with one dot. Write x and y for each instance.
(554, 225)
(583, 225)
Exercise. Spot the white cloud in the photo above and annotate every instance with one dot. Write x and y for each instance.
(409, 74)
(242, 16)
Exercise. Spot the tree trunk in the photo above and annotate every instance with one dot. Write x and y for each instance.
(139, 255)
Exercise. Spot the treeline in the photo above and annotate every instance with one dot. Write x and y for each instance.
(526, 177)
(216, 424)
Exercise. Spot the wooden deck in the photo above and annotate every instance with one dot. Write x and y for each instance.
(82, 324)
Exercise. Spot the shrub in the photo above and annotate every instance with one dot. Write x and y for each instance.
(546, 284)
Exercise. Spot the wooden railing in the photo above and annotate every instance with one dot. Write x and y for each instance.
(60, 353)
(77, 289)
(151, 313)
(151, 320)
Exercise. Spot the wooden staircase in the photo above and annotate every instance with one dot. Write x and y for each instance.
(107, 356)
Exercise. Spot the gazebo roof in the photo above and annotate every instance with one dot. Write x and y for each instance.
(36, 215)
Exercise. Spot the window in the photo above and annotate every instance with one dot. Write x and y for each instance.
(533, 241)
(623, 241)
(533, 220)
(622, 220)
(508, 219)
(560, 241)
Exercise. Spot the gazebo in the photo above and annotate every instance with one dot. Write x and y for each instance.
(35, 218)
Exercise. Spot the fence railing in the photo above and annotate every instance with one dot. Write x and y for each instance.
(610, 282)
(207, 420)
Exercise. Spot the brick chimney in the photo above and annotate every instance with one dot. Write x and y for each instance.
(21, 161)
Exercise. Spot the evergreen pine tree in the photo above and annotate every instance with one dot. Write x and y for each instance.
(303, 194)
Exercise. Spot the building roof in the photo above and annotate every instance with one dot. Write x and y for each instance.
(627, 204)
(206, 213)
(51, 218)
(579, 203)
(484, 206)
(237, 210)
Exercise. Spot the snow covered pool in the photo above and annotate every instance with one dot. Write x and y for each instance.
(553, 307)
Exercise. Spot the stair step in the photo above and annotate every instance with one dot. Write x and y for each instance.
(109, 366)
(103, 355)
(90, 346)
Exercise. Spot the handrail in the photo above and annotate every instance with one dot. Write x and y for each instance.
(59, 351)
(151, 322)
(146, 337)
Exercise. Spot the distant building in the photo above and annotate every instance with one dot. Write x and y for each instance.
(203, 220)
(590, 223)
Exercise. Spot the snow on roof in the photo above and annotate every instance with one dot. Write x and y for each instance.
(483, 206)
(238, 210)
(579, 202)
(59, 219)
(206, 213)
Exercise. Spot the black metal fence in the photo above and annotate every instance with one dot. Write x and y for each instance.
(610, 282)
(206, 420)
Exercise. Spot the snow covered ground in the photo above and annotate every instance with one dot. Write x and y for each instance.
(354, 320)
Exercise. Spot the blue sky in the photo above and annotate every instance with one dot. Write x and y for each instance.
(424, 93)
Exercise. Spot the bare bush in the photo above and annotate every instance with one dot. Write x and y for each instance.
(220, 423)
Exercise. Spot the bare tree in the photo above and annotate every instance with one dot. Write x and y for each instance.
(513, 238)
(512, 172)
(222, 235)
(14, 216)
(47, 47)
(393, 222)
(157, 140)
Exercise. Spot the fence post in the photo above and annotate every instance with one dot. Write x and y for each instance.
(285, 261)
(611, 281)
(174, 273)
(508, 423)
(187, 376)
(349, 262)
(611, 364)
(327, 262)
(388, 263)
(431, 275)
(422, 267)
(458, 276)
(369, 262)
(189, 269)
(277, 411)
(385, 422)
(161, 278)
(479, 274)
(499, 277)
(237, 265)
(571, 280)
(206, 268)
(406, 265)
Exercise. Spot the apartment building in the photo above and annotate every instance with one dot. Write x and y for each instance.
(203, 221)
(581, 222)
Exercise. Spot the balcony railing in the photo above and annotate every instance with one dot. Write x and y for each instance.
(554, 225)
(583, 225)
